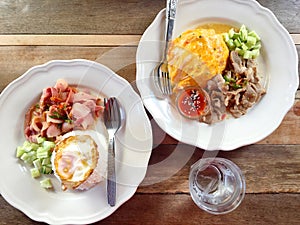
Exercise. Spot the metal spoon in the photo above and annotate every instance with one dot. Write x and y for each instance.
(113, 122)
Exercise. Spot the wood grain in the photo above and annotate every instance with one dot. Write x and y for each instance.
(174, 209)
(16, 60)
(287, 12)
(80, 40)
(256, 209)
(104, 16)
(77, 17)
(74, 40)
(267, 168)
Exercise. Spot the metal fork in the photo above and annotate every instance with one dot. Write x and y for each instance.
(163, 79)
(112, 121)
(162, 72)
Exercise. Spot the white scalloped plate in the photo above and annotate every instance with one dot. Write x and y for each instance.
(134, 145)
(278, 61)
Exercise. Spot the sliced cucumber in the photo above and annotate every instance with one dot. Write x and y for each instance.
(246, 43)
(35, 173)
(37, 155)
(46, 183)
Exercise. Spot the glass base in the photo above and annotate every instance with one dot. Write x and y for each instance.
(216, 185)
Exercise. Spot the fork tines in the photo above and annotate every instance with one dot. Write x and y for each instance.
(164, 82)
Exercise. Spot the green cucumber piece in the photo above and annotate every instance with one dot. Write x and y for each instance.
(37, 164)
(20, 151)
(46, 183)
(46, 169)
(35, 173)
(48, 145)
(254, 34)
(40, 140)
(46, 161)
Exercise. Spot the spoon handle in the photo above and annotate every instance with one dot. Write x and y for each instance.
(111, 174)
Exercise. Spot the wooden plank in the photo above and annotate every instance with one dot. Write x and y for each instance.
(262, 209)
(267, 168)
(14, 61)
(77, 17)
(296, 38)
(80, 40)
(289, 130)
(179, 209)
(105, 16)
(287, 12)
(70, 40)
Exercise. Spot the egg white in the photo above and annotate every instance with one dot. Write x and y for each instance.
(102, 143)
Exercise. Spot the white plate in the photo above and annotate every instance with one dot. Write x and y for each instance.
(278, 61)
(134, 145)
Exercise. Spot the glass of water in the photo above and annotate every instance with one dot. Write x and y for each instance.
(216, 185)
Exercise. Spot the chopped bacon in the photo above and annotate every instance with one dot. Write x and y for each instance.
(50, 119)
(67, 126)
(84, 122)
(82, 97)
(44, 129)
(61, 108)
(53, 131)
(80, 111)
(61, 85)
(30, 134)
(70, 97)
(36, 123)
(95, 108)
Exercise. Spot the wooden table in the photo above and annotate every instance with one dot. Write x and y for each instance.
(34, 32)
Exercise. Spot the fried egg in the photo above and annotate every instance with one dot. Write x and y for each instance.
(79, 159)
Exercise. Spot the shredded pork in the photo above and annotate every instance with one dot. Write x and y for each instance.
(235, 91)
(217, 110)
(242, 88)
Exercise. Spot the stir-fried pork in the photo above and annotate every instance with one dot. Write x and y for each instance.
(242, 88)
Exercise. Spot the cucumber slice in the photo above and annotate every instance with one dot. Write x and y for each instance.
(46, 183)
(46, 169)
(247, 55)
(231, 33)
(20, 151)
(254, 34)
(35, 173)
(251, 41)
(244, 42)
(47, 145)
(37, 164)
(42, 154)
(46, 161)
(40, 140)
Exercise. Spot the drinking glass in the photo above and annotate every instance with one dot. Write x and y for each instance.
(216, 185)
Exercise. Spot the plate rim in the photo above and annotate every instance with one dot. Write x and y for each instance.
(46, 217)
(270, 16)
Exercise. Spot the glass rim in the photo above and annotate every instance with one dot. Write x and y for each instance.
(234, 201)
